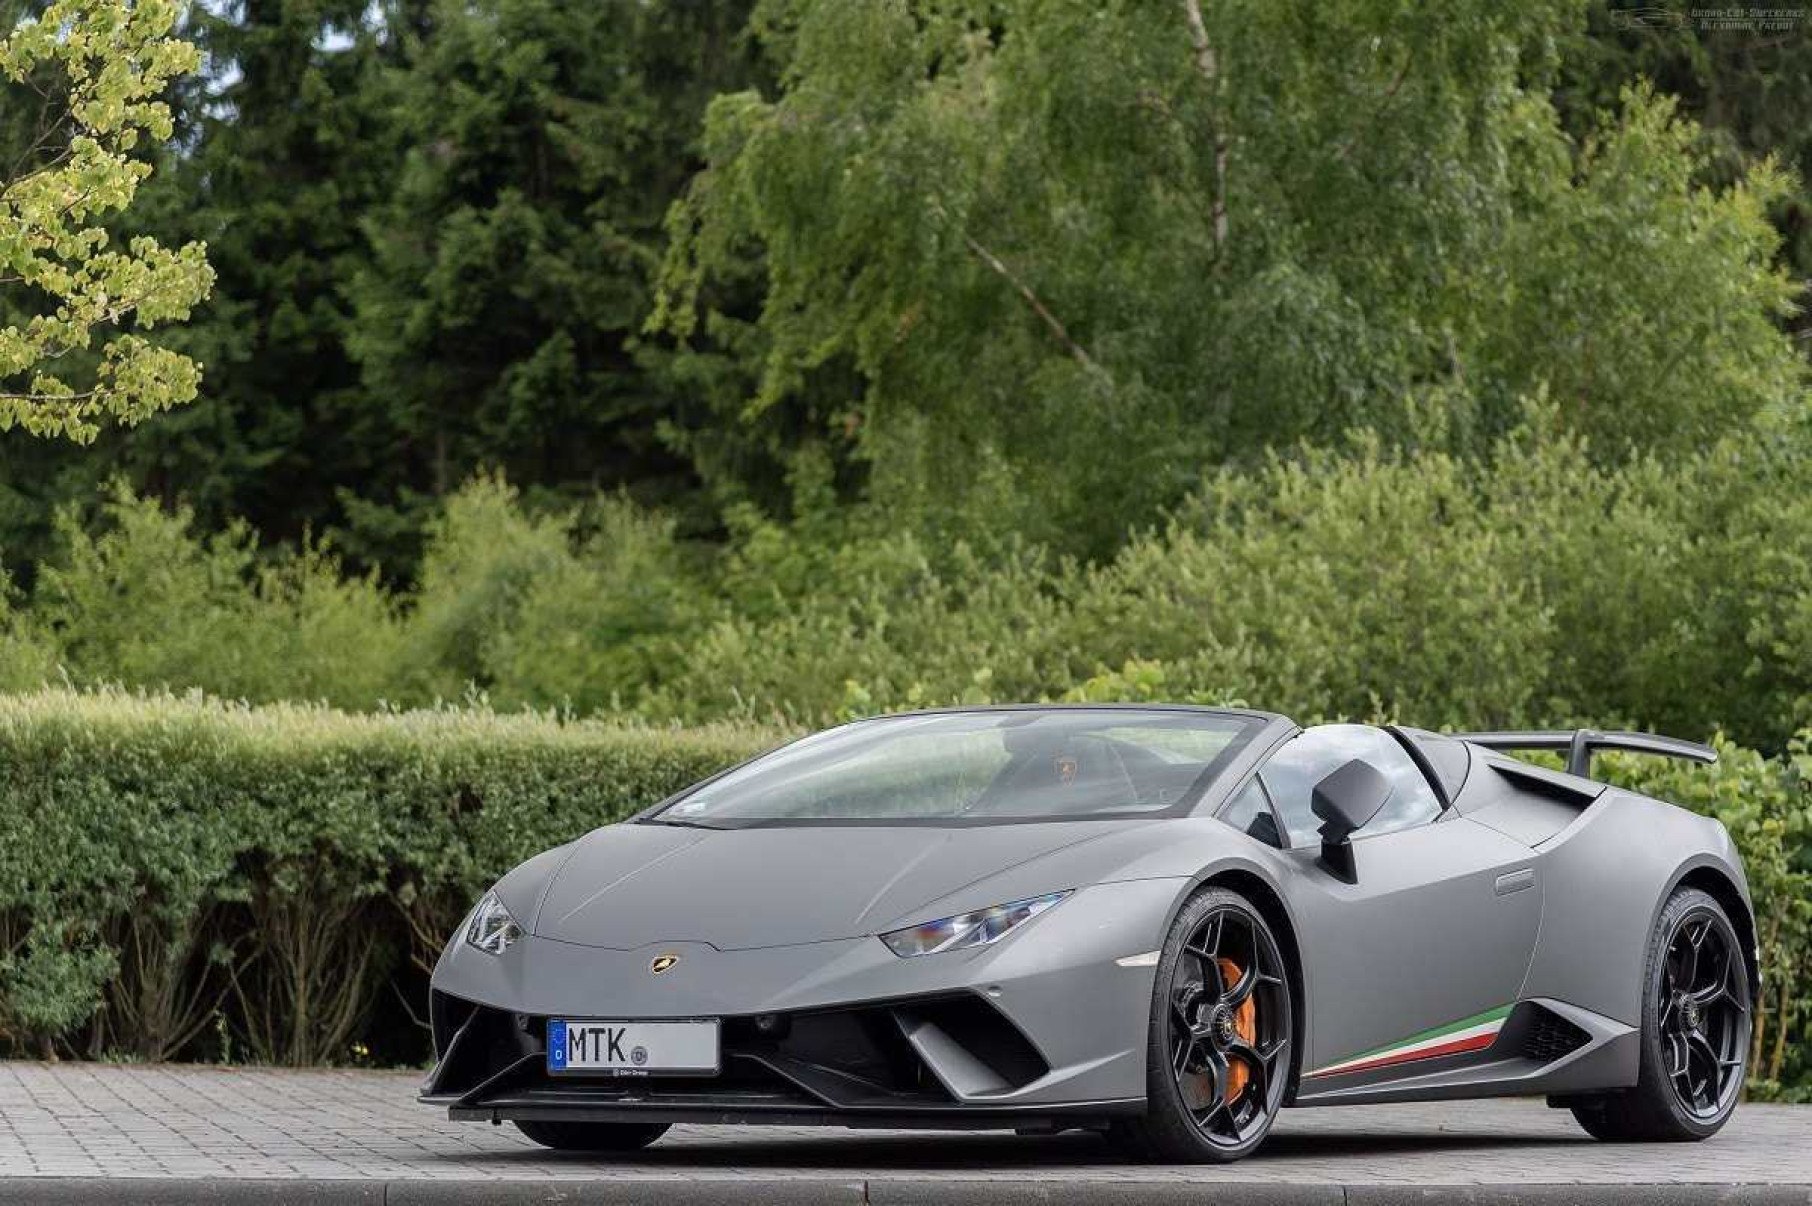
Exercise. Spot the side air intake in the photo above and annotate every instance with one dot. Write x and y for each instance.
(1550, 1037)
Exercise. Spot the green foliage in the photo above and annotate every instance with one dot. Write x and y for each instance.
(434, 227)
(578, 609)
(483, 555)
(605, 626)
(1750, 90)
(143, 598)
(1099, 249)
(1533, 588)
(1039, 267)
(498, 309)
(27, 658)
(883, 625)
(98, 67)
(172, 869)
(282, 142)
(1537, 586)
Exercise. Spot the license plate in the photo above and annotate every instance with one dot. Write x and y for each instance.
(627, 1048)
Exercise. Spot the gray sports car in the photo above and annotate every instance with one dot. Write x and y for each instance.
(1164, 923)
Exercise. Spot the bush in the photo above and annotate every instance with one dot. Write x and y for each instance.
(140, 597)
(1328, 586)
(27, 659)
(484, 554)
(864, 622)
(184, 877)
(1540, 587)
(603, 627)
(1537, 589)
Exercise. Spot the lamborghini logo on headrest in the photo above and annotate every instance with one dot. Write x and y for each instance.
(661, 963)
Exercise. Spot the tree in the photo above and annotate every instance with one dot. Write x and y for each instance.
(96, 69)
(412, 207)
(1745, 75)
(283, 141)
(498, 318)
(288, 144)
(1042, 264)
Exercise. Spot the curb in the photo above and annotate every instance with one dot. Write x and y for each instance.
(873, 1191)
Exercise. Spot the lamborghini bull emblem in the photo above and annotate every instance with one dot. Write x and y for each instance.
(661, 963)
(1066, 769)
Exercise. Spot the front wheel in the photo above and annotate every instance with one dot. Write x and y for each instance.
(599, 1137)
(1695, 1032)
(1219, 1047)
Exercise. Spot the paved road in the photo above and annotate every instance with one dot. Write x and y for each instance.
(90, 1132)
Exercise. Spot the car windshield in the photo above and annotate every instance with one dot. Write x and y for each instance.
(978, 767)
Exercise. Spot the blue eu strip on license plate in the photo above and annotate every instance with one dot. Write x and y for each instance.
(556, 1046)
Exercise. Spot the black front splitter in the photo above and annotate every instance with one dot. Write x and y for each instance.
(1085, 1116)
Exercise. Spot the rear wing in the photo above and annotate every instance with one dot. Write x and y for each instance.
(1580, 744)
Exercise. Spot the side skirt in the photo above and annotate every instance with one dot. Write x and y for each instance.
(1533, 1048)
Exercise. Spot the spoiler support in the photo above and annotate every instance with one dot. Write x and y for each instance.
(1580, 744)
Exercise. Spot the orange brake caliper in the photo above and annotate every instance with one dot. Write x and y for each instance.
(1245, 1024)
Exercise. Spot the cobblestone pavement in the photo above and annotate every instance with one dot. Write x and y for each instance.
(194, 1124)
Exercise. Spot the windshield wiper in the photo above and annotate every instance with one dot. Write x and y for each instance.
(677, 824)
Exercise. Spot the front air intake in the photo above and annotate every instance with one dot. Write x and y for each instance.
(970, 1045)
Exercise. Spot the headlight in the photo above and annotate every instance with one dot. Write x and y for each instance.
(492, 929)
(967, 930)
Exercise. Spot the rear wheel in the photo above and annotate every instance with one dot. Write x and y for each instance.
(600, 1137)
(1695, 1032)
(1219, 1047)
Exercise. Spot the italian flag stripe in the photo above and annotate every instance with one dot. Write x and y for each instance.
(1468, 1034)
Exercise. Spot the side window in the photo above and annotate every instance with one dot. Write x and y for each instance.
(1293, 771)
(1250, 813)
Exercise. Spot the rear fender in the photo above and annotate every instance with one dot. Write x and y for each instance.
(1605, 879)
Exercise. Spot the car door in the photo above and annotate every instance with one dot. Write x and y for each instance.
(1424, 954)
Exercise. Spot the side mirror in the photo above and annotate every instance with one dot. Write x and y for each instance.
(1346, 800)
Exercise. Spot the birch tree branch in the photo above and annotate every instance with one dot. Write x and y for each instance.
(1051, 321)
(1207, 65)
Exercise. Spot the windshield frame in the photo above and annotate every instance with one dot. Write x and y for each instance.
(1225, 770)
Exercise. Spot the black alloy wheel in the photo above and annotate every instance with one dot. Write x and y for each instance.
(1221, 1035)
(1704, 1013)
(1696, 1027)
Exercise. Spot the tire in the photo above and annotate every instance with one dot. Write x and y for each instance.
(1676, 1101)
(597, 1137)
(1210, 1111)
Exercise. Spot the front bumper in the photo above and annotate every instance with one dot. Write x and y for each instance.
(1045, 1024)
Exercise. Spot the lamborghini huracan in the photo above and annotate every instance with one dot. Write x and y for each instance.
(1162, 923)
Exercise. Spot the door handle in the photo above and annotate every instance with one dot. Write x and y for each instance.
(1514, 881)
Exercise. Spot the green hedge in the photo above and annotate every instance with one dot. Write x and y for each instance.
(185, 878)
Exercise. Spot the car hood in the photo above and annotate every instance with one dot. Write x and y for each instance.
(625, 886)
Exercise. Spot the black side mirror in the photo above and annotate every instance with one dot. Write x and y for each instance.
(1346, 800)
